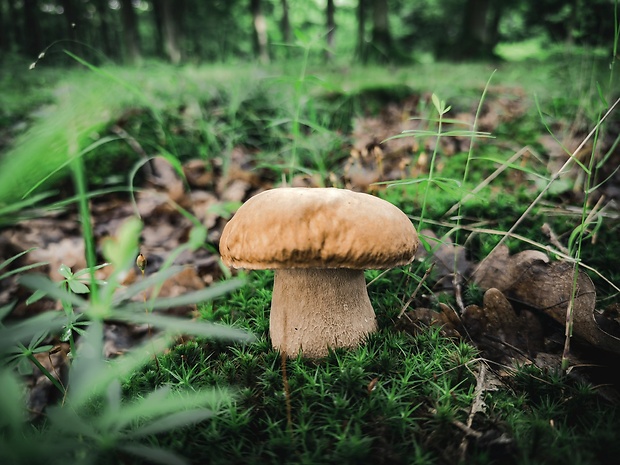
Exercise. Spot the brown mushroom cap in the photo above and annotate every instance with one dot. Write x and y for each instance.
(317, 228)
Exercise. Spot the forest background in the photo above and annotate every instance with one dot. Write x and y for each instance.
(353, 30)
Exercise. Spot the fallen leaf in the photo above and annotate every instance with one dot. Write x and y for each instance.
(500, 270)
(497, 326)
(450, 260)
(531, 281)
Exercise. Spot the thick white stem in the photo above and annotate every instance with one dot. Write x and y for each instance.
(314, 309)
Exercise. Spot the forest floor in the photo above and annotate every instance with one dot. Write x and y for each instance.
(500, 231)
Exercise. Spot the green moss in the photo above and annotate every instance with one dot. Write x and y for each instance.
(395, 398)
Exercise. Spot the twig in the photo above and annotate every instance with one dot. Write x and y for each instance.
(488, 180)
(553, 238)
(457, 292)
(134, 144)
(568, 334)
(141, 263)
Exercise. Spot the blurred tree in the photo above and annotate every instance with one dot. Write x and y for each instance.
(381, 37)
(4, 31)
(259, 33)
(586, 22)
(360, 52)
(12, 24)
(331, 27)
(32, 34)
(376, 30)
(71, 14)
(131, 37)
(167, 23)
(108, 39)
(75, 21)
(285, 24)
(476, 38)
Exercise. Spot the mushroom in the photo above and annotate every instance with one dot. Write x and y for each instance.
(319, 241)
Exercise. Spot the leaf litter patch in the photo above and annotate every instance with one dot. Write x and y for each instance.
(523, 314)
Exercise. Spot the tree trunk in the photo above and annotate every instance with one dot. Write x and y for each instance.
(331, 26)
(259, 32)
(4, 32)
(71, 18)
(33, 38)
(474, 39)
(14, 29)
(285, 25)
(158, 21)
(170, 31)
(381, 37)
(129, 19)
(493, 27)
(108, 42)
(360, 51)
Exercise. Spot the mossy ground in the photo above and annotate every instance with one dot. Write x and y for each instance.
(400, 398)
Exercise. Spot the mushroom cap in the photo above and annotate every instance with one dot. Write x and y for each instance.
(300, 227)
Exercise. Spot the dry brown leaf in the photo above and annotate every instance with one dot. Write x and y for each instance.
(497, 325)
(528, 279)
(198, 174)
(449, 258)
(202, 207)
(446, 318)
(500, 270)
(165, 177)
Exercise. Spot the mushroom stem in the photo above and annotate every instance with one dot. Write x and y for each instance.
(314, 309)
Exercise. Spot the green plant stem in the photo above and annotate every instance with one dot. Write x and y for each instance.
(615, 45)
(295, 129)
(430, 173)
(47, 374)
(577, 255)
(471, 148)
(79, 180)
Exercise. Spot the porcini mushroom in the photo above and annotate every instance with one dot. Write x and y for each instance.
(319, 241)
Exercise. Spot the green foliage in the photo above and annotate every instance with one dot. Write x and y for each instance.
(93, 422)
(93, 413)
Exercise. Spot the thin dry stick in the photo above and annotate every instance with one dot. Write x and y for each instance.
(53, 351)
(568, 333)
(477, 406)
(378, 276)
(594, 212)
(555, 241)
(458, 295)
(489, 179)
